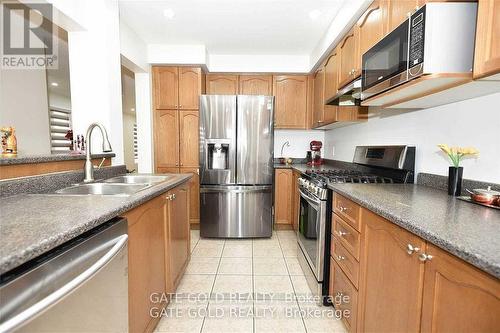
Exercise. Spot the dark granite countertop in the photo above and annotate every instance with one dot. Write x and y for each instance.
(32, 224)
(469, 231)
(29, 159)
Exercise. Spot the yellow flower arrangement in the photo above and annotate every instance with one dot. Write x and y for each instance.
(457, 153)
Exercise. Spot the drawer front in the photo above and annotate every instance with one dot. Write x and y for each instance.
(348, 210)
(342, 287)
(346, 261)
(347, 235)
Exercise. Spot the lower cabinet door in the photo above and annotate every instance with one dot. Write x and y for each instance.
(194, 195)
(345, 296)
(177, 233)
(458, 297)
(146, 262)
(391, 278)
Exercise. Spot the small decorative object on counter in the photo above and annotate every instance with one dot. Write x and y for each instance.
(485, 196)
(9, 141)
(456, 154)
(69, 136)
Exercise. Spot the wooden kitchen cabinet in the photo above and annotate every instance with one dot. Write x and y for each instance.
(398, 11)
(189, 139)
(283, 196)
(457, 296)
(347, 296)
(146, 257)
(291, 104)
(331, 75)
(166, 87)
(177, 233)
(190, 88)
(166, 134)
(256, 85)
(371, 26)
(349, 59)
(322, 114)
(194, 194)
(391, 279)
(487, 50)
(222, 84)
(295, 200)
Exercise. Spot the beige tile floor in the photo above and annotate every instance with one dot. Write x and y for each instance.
(246, 286)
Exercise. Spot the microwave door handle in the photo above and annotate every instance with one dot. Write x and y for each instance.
(39, 307)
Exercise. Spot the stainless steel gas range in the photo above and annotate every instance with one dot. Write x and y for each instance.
(371, 165)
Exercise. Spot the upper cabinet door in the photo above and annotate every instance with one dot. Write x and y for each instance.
(166, 87)
(349, 65)
(318, 100)
(256, 85)
(487, 55)
(398, 11)
(166, 138)
(189, 138)
(371, 26)
(218, 84)
(331, 75)
(189, 88)
(457, 296)
(290, 107)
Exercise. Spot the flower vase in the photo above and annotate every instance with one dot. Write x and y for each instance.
(455, 180)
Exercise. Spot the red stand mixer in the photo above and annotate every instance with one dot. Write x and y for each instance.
(315, 153)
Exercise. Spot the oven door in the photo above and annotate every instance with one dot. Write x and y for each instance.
(385, 65)
(311, 232)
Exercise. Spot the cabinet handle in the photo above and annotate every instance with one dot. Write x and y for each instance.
(410, 249)
(341, 233)
(424, 257)
(175, 105)
(169, 197)
(342, 209)
(173, 196)
(340, 258)
(180, 106)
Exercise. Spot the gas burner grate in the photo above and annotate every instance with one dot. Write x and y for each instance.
(339, 176)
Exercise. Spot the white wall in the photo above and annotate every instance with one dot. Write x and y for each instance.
(299, 142)
(94, 55)
(474, 122)
(24, 105)
(128, 140)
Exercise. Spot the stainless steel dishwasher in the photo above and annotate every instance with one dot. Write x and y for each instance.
(81, 286)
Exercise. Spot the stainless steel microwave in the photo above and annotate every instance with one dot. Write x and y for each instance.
(437, 38)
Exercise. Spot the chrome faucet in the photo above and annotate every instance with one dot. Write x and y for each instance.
(106, 147)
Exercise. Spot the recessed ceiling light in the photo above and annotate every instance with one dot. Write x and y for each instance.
(169, 13)
(54, 84)
(132, 109)
(314, 14)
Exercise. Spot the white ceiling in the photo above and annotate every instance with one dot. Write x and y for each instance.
(233, 27)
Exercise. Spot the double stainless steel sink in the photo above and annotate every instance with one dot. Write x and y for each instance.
(118, 186)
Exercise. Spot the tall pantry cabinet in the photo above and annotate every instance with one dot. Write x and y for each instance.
(176, 95)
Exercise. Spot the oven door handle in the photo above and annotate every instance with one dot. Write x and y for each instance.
(310, 199)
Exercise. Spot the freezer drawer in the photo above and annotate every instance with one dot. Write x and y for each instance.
(236, 211)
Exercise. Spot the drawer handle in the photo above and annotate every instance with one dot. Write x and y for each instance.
(341, 233)
(339, 294)
(424, 257)
(340, 258)
(410, 249)
(343, 209)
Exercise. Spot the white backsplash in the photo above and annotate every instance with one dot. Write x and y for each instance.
(299, 142)
(474, 122)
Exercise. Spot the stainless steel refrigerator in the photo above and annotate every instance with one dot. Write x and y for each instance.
(236, 165)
